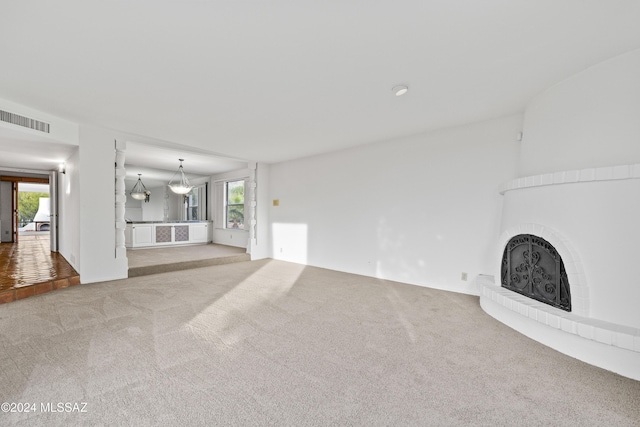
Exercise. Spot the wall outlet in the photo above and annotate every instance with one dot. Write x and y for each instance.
(463, 276)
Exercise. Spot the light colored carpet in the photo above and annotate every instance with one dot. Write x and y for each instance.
(274, 343)
(143, 262)
(147, 257)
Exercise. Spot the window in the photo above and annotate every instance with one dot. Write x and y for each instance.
(235, 204)
(228, 206)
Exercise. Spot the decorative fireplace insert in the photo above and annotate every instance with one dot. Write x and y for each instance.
(532, 267)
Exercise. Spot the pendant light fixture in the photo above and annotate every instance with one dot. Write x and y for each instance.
(139, 191)
(183, 186)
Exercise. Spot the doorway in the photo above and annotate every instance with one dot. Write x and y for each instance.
(30, 207)
(29, 264)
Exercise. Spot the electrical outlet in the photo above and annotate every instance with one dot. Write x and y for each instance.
(464, 276)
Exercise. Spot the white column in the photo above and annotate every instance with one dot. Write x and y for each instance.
(261, 234)
(250, 192)
(120, 199)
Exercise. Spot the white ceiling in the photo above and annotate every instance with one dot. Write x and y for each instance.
(24, 151)
(277, 80)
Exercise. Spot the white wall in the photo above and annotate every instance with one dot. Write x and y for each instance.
(69, 212)
(133, 208)
(420, 210)
(588, 120)
(154, 210)
(176, 206)
(97, 207)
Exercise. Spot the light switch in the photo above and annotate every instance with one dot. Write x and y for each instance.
(276, 202)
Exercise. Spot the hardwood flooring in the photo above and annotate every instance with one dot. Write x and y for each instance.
(29, 268)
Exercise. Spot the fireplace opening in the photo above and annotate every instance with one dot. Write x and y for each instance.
(532, 267)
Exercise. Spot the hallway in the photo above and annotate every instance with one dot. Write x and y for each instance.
(29, 268)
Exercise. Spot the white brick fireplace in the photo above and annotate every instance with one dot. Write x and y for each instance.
(590, 216)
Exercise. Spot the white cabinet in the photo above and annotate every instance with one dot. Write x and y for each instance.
(199, 233)
(138, 235)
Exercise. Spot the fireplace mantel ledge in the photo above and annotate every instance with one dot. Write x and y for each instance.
(620, 336)
(608, 173)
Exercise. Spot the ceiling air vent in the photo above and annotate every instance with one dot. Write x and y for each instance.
(24, 121)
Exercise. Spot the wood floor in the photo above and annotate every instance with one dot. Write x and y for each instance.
(29, 268)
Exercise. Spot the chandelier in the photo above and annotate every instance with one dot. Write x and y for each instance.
(139, 191)
(183, 186)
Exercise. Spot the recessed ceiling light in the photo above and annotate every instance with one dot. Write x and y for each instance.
(399, 90)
